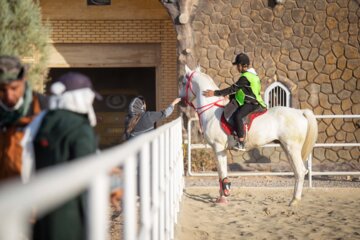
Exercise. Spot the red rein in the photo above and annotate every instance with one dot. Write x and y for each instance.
(201, 109)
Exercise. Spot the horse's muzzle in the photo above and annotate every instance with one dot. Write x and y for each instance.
(182, 103)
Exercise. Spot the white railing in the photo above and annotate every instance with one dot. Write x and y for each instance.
(191, 146)
(158, 209)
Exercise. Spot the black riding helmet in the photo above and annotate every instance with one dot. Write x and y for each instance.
(11, 69)
(242, 59)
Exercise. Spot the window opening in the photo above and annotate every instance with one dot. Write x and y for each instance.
(277, 94)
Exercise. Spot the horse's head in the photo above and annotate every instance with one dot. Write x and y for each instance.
(186, 88)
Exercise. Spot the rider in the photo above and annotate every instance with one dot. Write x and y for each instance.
(244, 96)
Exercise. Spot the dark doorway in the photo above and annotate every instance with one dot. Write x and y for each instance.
(117, 86)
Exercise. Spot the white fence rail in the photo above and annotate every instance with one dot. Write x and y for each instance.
(191, 146)
(158, 208)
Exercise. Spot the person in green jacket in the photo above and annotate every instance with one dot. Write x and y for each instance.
(64, 135)
(244, 96)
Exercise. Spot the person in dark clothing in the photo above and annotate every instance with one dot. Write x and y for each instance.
(139, 120)
(19, 105)
(244, 96)
(65, 133)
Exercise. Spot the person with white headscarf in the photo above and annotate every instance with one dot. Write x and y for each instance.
(63, 134)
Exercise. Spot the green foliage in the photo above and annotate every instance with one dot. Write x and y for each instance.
(23, 34)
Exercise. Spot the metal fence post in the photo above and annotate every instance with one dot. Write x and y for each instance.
(155, 187)
(130, 199)
(145, 189)
(98, 208)
(310, 169)
(162, 188)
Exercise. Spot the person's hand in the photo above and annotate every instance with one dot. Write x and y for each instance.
(115, 198)
(208, 93)
(176, 101)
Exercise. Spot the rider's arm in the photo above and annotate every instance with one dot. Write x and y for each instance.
(241, 83)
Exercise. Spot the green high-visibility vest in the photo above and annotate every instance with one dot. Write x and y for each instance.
(255, 86)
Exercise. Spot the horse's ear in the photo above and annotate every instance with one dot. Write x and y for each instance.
(187, 69)
(198, 68)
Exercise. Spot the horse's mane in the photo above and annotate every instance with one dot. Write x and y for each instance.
(209, 80)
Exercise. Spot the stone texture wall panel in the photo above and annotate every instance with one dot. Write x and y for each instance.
(314, 76)
(232, 40)
(225, 20)
(214, 38)
(318, 110)
(204, 62)
(336, 74)
(343, 3)
(265, 37)
(226, 64)
(314, 54)
(312, 43)
(344, 37)
(344, 94)
(235, 14)
(214, 64)
(324, 101)
(326, 88)
(341, 64)
(347, 75)
(287, 19)
(328, 69)
(355, 153)
(353, 64)
(219, 6)
(319, 63)
(325, 46)
(224, 44)
(357, 74)
(301, 74)
(355, 97)
(346, 106)
(238, 3)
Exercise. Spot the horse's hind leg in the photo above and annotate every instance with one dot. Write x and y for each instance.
(296, 162)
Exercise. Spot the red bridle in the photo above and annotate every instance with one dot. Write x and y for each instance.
(201, 109)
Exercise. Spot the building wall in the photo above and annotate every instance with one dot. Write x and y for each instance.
(310, 46)
(123, 22)
(119, 9)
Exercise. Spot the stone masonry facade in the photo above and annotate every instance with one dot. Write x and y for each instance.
(312, 47)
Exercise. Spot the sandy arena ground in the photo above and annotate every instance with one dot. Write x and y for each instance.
(263, 213)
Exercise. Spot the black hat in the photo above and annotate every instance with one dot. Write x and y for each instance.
(74, 81)
(10, 69)
(242, 59)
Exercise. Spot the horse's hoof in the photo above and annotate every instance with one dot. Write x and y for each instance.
(222, 200)
(294, 202)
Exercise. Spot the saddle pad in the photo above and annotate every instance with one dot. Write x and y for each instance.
(228, 128)
(250, 118)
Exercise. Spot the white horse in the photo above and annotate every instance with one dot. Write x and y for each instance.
(295, 129)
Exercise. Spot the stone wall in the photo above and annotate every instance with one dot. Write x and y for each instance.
(312, 47)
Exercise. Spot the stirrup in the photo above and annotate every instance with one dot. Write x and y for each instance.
(225, 186)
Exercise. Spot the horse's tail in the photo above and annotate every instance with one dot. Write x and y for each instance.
(311, 135)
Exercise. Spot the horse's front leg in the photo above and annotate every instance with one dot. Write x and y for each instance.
(222, 173)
